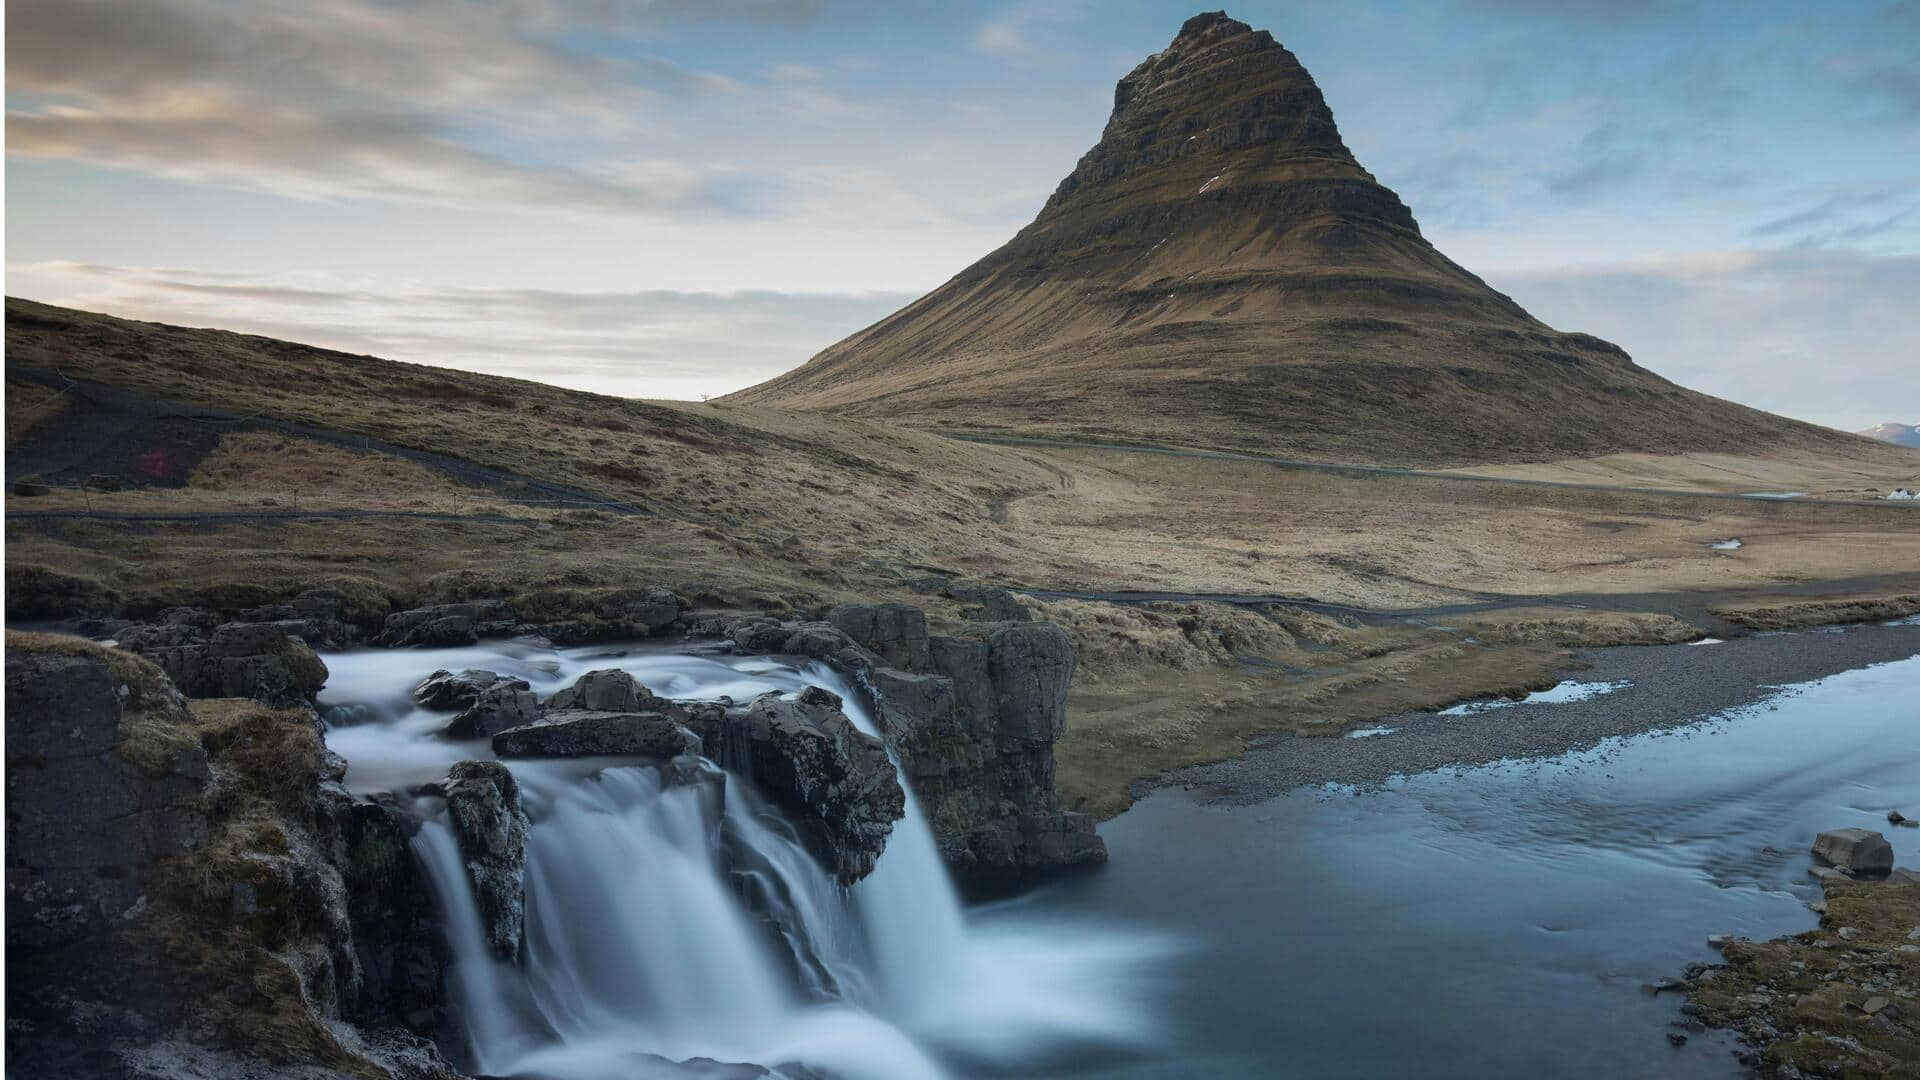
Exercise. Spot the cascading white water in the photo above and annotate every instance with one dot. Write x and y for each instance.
(674, 918)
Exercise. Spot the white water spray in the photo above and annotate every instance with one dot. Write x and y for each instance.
(682, 917)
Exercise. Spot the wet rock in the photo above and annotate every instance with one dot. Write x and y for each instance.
(483, 805)
(897, 633)
(1857, 851)
(1676, 1038)
(579, 732)
(451, 691)
(1895, 817)
(396, 934)
(604, 690)
(807, 756)
(506, 704)
(447, 624)
(973, 717)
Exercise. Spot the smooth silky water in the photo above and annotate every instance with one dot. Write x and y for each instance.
(1495, 921)
(641, 938)
(1501, 921)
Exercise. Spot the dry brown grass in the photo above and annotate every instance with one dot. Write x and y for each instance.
(809, 510)
(30, 405)
(1762, 613)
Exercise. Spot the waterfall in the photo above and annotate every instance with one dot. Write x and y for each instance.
(672, 913)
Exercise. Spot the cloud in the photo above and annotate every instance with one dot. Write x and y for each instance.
(349, 97)
(1821, 334)
(1850, 217)
(1017, 31)
(649, 343)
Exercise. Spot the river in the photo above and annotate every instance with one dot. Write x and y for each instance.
(1495, 919)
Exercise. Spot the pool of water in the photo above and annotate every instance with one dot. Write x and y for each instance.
(1561, 693)
(1496, 921)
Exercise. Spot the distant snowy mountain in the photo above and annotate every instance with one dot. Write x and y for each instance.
(1897, 434)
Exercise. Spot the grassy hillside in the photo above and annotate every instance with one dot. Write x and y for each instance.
(246, 469)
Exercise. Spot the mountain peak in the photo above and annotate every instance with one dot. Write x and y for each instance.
(1221, 88)
(1218, 270)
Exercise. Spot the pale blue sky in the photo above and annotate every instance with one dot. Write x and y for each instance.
(686, 196)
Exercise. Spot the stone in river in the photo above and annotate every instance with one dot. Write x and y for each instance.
(1857, 851)
(579, 732)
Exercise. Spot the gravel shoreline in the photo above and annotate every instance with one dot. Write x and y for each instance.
(1672, 686)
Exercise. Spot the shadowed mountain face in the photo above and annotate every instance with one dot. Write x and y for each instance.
(1219, 271)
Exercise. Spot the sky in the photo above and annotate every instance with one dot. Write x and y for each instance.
(678, 198)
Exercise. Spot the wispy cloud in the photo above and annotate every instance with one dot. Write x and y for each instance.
(1818, 334)
(649, 343)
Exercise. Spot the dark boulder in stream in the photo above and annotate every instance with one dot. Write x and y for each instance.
(505, 704)
(450, 691)
(583, 732)
(805, 754)
(483, 805)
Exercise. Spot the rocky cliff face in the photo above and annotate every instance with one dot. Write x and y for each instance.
(191, 891)
(178, 887)
(1218, 270)
(973, 715)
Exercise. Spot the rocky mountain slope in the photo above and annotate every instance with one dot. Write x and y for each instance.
(1219, 271)
(1895, 433)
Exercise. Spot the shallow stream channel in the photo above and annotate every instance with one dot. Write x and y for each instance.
(1490, 891)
